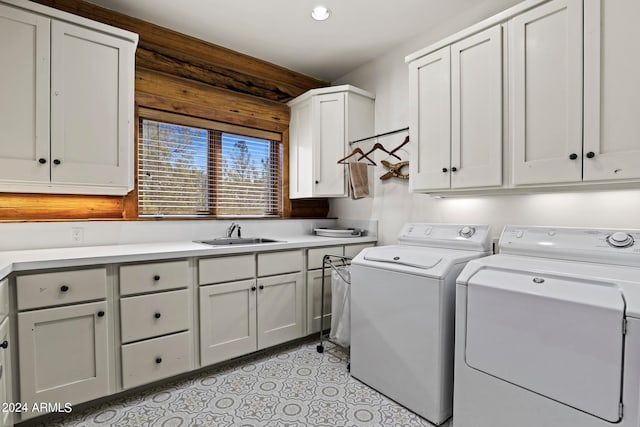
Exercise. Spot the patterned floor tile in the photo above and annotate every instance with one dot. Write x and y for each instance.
(293, 386)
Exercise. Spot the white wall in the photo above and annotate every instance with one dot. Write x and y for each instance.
(392, 204)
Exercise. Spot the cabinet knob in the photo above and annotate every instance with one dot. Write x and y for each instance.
(454, 169)
(56, 161)
(445, 170)
(64, 288)
(261, 286)
(573, 156)
(158, 359)
(253, 288)
(591, 155)
(101, 313)
(42, 160)
(156, 277)
(157, 315)
(4, 344)
(317, 182)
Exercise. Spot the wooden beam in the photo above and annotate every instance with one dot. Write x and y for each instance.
(217, 56)
(178, 64)
(234, 105)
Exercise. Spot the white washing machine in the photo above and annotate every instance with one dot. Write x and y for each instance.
(402, 313)
(548, 331)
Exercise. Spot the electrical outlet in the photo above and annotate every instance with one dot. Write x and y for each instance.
(77, 234)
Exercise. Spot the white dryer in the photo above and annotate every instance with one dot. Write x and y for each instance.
(402, 314)
(548, 331)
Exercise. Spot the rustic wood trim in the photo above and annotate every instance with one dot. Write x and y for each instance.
(309, 208)
(181, 119)
(15, 206)
(286, 203)
(155, 35)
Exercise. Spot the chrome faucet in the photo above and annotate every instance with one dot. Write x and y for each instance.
(231, 228)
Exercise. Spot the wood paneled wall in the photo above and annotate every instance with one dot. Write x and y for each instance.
(181, 74)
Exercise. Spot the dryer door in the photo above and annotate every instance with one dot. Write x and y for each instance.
(556, 336)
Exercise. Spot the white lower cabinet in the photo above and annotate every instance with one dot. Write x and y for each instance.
(314, 300)
(227, 321)
(238, 318)
(153, 315)
(155, 328)
(280, 309)
(6, 418)
(64, 354)
(147, 361)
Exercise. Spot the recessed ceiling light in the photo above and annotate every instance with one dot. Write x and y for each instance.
(320, 13)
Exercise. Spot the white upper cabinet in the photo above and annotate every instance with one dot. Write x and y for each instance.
(24, 90)
(476, 110)
(560, 99)
(323, 121)
(611, 90)
(91, 113)
(430, 121)
(456, 115)
(546, 89)
(67, 110)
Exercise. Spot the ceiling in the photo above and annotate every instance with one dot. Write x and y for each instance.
(282, 31)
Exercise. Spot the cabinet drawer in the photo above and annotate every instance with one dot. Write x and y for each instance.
(151, 360)
(226, 269)
(273, 263)
(64, 287)
(149, 316)
(352, 250)
(4, 299)
(315, 255)
(160, 276)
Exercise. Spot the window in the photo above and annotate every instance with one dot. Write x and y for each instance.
(190, 167)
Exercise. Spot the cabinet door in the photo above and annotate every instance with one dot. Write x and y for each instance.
(546, 78)
(280, 313)
(227, 321)
(63, 354)
(314, 300)
(329, 140)
(6, 418)
(430, 121)
(91, 136)
(611, 90)
(476, 110)
(300, 152)
(24, 91)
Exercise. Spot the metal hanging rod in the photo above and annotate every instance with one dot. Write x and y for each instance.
(379, 135)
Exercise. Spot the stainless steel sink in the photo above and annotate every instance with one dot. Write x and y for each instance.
(225, 241)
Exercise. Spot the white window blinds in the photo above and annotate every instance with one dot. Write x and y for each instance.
(192, 167)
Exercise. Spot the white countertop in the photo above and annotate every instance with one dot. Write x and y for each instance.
(36, 259)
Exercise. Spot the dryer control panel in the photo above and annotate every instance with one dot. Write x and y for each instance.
(610, 246)
(472, 237)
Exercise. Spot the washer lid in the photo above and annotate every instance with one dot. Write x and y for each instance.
(403, 255)
(557, 336)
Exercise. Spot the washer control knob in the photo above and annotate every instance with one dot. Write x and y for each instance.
(620, 240)
(467, 231)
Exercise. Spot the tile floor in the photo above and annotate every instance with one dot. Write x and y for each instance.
(290, 386)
